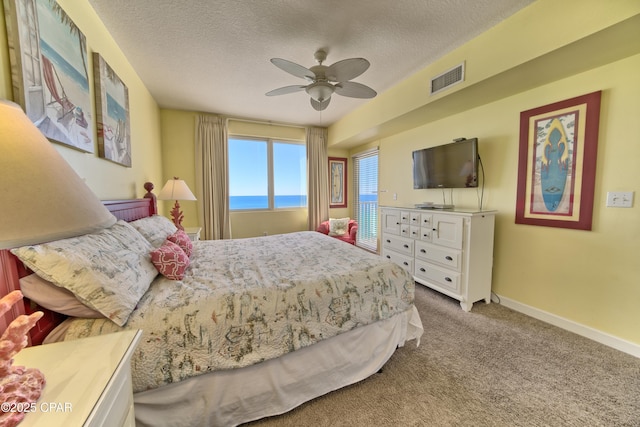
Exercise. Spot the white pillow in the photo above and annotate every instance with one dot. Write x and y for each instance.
(108, 270)
(155, 229)
(55, 298)
(339, 226)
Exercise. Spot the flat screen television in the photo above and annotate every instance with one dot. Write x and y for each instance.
(453, 165)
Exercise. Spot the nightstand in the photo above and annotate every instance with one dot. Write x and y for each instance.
(193, 233)
(88, 381)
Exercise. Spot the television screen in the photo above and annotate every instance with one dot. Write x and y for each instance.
(453, 165)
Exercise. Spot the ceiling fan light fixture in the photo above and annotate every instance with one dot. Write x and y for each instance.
(320, 91)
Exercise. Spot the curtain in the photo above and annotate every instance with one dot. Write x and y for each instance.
(318, 177)
(212, 171)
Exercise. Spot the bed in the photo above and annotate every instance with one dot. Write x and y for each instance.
(249, 328)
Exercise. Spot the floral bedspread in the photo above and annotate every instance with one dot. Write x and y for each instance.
(244, 301)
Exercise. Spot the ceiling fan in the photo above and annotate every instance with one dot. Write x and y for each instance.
(325, 80)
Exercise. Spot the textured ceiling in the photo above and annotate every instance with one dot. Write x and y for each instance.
(213, 55)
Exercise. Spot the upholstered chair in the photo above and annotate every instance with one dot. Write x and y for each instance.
(349, 237)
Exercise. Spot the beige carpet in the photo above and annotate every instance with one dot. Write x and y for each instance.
(490, 367)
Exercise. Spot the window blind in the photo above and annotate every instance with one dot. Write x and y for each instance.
(365, 180)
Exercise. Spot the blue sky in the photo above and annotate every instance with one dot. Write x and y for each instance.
(248, 168)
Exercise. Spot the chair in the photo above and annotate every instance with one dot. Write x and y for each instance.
(350, 237)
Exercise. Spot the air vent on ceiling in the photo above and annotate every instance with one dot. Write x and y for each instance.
(447, 79)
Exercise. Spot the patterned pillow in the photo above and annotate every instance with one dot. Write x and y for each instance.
(108, 270)
(170, 260)
(155, 229)
(338, 227)
(181, 239)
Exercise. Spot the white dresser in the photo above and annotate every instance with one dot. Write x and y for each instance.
(88, 381)
(450, 251)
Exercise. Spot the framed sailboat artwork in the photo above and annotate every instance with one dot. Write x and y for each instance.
(557, 163)
(112, 113)
(49, 71)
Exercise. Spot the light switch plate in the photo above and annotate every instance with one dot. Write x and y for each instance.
(620, 199)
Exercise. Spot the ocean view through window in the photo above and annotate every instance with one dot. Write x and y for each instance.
(265, 174)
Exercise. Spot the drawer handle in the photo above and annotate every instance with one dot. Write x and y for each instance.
(448, 258)
(448, 279)
(406, 263)
(406, 246)
(422, 269)
(423, 251)
(388, 241)
(388, 257)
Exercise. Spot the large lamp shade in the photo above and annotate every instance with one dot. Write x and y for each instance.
(43, 199)
(176, 189)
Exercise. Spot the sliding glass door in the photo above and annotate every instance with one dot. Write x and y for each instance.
(365, 179)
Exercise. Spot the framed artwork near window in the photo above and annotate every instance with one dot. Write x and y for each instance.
(112, 113)
(337, 182)
(557, 163)
(49, 71)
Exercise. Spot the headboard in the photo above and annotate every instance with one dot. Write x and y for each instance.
(12, 269)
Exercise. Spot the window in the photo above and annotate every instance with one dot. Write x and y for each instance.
(365, 180)
(267, 174)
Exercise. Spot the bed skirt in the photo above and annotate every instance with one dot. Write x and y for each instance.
(273, 387)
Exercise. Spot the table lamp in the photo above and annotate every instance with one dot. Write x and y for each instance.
(176, 189)
(43, 199)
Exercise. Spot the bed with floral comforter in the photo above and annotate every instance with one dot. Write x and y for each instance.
(245, 301)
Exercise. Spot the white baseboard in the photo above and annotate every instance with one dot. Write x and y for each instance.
(577, 328)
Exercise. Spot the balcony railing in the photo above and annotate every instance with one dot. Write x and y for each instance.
(367, 236)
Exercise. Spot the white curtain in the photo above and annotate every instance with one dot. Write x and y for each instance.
(318, 177)
(212, 172)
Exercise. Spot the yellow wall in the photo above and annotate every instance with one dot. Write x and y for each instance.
(107, 180)
(589, 278)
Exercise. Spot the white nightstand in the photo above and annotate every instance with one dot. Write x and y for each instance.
(88, 381)
(193, 233)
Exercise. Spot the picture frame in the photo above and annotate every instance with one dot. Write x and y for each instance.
(557, 163)
(49, 71)
(112, 113)
(337, 182)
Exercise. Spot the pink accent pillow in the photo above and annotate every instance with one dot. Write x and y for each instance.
(170, 260)
(181, 239)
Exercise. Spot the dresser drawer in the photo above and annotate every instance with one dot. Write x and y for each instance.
(403, 261)
(442, 277)
(399, 244)
(425, 233)
(449, 258)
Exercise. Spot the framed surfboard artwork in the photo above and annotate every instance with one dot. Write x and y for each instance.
(557, 163)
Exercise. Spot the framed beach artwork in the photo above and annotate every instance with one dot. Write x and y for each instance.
(557, 163)
(49, 71)
(337, 182)
(112, 113)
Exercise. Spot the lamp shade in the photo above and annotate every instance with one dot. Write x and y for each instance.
(176, 189)
(320, 91)
(43, 198)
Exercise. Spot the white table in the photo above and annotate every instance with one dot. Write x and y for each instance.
(88, 381)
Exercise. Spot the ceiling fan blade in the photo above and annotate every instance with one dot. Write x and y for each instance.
(346, 69)
(354, 90)
(319, 106)
(285, 90)
(293, 68)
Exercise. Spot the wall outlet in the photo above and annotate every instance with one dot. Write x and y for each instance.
(619, 199)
